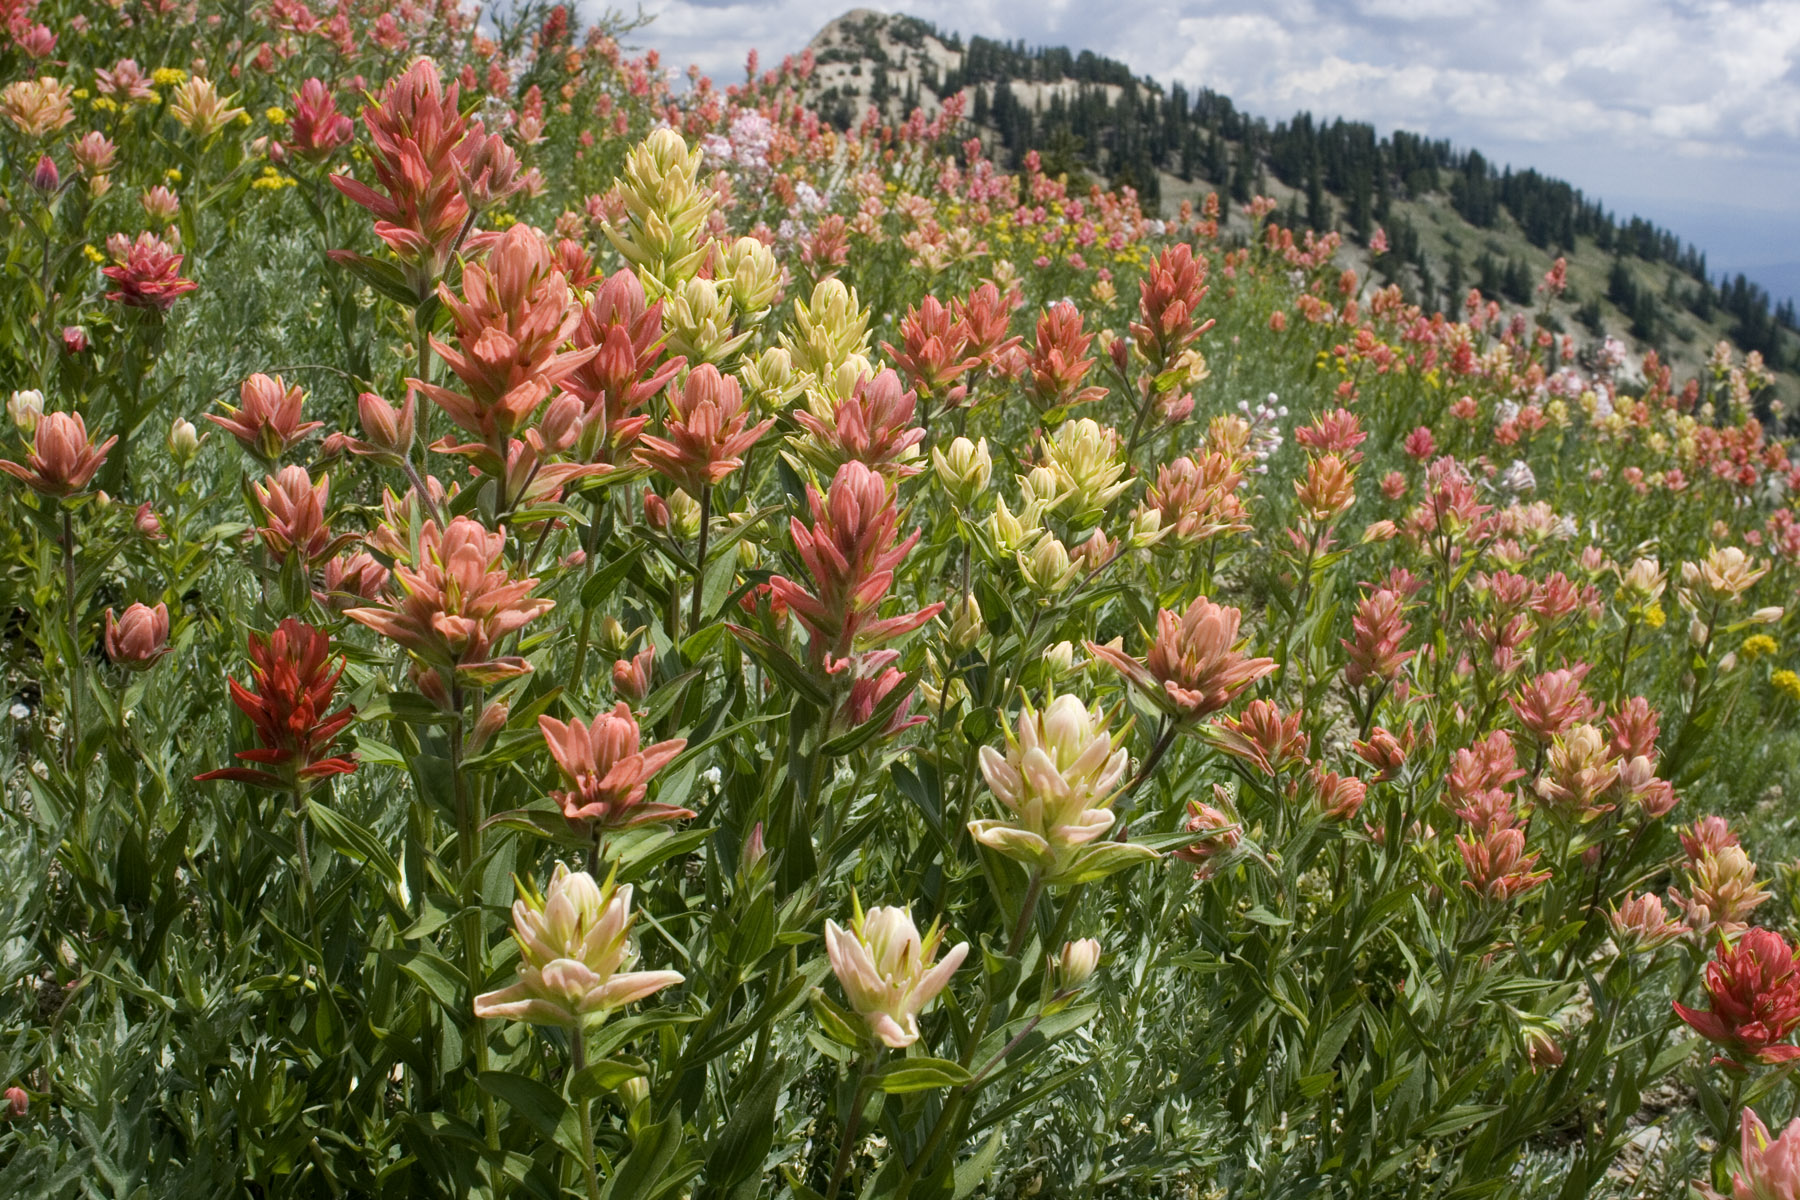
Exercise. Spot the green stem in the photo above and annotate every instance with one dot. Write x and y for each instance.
(77, 679)
(700, 558)
(847, 1143)
(468, 850)
(578, 1055)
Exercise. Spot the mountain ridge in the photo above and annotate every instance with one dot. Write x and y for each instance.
(1451, 218)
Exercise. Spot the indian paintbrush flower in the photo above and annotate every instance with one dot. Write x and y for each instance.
(292, 682)
(62, 460)
(1058, 777)
(574, 942)
(139, 638)
(1196, 663)
(608, 769)
(889, 972)
(1754, 991)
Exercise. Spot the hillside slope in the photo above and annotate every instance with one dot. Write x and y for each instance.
(1451, 219)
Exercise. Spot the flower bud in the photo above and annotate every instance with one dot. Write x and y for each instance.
(74, 339)
(388, 429)
(25, 408)
(656, 512)
(45, 177)
(684, 515)
(1048, 568)
(139, 638)
(17, 1103)
(613, 638)
(968, 627)
(753, 273)
(632, 676)
(1059, 660)
(491, 721)
(1073, 967)
(964, 469)
(754, 850)
(1011, 534)
(634, 1093)
(184, 441)
(148, 524)
(1767, 616)
(1146, 529)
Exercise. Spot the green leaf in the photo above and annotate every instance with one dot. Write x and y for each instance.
(744, 1142)
(601, 583)
(919, 1075)
(353, 840)
(638, 1177)
(441, 981)
(546, 1112)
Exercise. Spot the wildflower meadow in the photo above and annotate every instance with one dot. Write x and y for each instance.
(576, 632)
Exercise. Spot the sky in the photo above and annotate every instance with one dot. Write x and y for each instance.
(1686, 112)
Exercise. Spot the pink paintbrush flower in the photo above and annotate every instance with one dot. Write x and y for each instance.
(454, 604)
(706, 435)
(139, 638)
(62, 460)
(267, 423)
(608, 770)
(850, 552)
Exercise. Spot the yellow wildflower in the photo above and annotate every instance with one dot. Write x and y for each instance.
(168, 76)
(1759, 645)
(1787, 683)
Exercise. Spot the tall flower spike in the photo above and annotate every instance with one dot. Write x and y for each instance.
(515, 311)
(851, 553)
(1168, 296)
(933, 351)
(62, 459)
(1754, 990)
(573, 943)
(317, 129)
(706, 435)
(607, 770)
(292, 681)
(414, 130)
(876, 426)
(1196, 663)
(628, 368)
(1058, 778)
(887, 970)
(453, 605)
(1057, 363)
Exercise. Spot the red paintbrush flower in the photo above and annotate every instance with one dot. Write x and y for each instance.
(1754, 988)
(292, 681)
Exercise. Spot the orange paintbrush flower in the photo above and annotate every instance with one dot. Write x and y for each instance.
(1196, 663)
(452, 606)
(706, 436)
